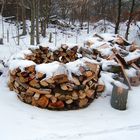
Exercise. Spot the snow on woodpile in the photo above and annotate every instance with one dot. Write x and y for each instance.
(54, 79)
(115, 55)
(71, 76)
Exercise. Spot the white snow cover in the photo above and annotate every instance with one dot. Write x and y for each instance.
(97, 44)
(51, 69)
(52, 47)
(21, 54)
(106, 77)
(131, 72)
(92, 39)
(73, 67)
(108, 36)
(106, 64)
(1, 67)
(33, 47)
(106, 52)
(71, 45)
(17, 63)
(132, 55)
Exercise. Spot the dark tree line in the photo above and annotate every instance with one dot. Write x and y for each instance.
(40, 12)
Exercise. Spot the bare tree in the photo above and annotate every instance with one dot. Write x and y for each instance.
(45, 8)
(23, 8)
(2, 25)
(17, 22)
(37, 4)
(118, 16)
(130, 19)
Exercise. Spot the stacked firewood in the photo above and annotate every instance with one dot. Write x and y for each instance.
(116, 48)
(57, 79)
(62, 54)
(62, 91)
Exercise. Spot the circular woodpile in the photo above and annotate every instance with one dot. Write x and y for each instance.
(54, 79)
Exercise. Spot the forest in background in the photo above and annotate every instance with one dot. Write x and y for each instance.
(43, 12)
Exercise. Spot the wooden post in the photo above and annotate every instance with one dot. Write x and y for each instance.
(119, 97)
(1, 41)
(7, 35)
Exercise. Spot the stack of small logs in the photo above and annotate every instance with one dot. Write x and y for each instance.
(62, 54)
(66, 90)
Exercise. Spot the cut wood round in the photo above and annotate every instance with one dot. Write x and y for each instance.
(119, 97)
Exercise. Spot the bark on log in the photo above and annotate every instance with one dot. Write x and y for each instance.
(119, 97)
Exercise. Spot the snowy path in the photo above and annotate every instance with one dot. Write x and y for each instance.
(19, 121)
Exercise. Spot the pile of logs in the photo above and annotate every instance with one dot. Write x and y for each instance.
(63, 54)
(115, 48)
(59, 92)
(73, 90)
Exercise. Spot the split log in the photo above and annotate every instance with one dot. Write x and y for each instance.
(10, 85)
(83, 102)
(39, 91)
(43, 102)
(56, 105)
(30, 69)
(135, 81)
(24, 85)
(28, 99)
(69, 101)
(23, 79)
(36, 96)
(60, 78)
(82, 95)
(44, 83)
(90, 93)
(34, 83)
(53, 99)
(40, 75)
(74, 95)
(100, 87)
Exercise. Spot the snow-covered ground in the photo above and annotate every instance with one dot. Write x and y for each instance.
(19, 121)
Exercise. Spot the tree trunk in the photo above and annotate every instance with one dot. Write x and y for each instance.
(45, 18)
(2, 25)
(32, 22)
(17, 22)
(130, 19)
(24, 32)
(37, 22)
(119, 97)
(118, 17)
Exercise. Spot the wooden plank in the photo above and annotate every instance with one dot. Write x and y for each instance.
(124, 73)
(135, 66)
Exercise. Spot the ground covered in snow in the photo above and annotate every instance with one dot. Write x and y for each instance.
(19, 121)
